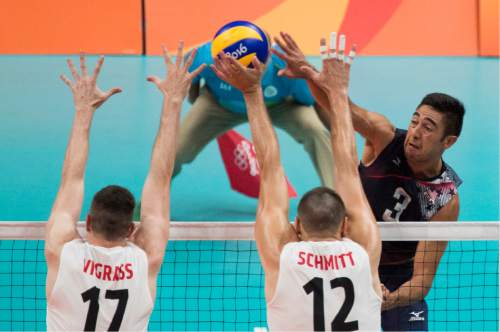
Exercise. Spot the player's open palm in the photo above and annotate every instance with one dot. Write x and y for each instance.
(293, 57)
(86, 93)
(242, 78)
(334, 77)
(178, 78)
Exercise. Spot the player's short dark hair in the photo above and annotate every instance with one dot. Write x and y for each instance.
(321, 210)
(452, 109)
(112, 212)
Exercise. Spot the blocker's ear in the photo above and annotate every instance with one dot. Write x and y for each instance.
(88, 223)
(298, 228)
(344, 226)
(131, 229)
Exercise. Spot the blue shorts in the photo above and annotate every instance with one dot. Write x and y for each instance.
(409, 318)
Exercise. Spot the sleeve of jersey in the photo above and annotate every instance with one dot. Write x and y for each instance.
(453, 176)
(301, 93)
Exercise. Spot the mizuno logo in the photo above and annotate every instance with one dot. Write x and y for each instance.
(416, 316)
(397, 161)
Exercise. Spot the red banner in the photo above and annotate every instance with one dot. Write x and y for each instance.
(241, 164)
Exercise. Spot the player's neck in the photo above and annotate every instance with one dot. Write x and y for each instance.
(96, 240)
(315, 238)
(425, 170)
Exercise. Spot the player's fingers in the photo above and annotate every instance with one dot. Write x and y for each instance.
(282, 56)
(112, 92)
(73, 70)
(154, 79)
(66, 81)
(190, 59)
(83, 66)
(352, 54)
(341, 47)
(97, 68)
(220, 73)
(220, 63)
(257, 64)
(333, 45)
(180, 48)
(197, 71)
(166, 56)
(282, 45)
(225, 60)
(235, 65)
(322, 49)
(290, 41)
(308, 72)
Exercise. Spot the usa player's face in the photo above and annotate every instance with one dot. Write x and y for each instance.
(425, 139)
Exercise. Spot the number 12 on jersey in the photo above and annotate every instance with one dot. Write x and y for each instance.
(315, 286)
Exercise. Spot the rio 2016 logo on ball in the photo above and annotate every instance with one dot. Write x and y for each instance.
(242, 40)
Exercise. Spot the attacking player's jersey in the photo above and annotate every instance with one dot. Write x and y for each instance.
(324, 286)
(100, 289)
(395, 195)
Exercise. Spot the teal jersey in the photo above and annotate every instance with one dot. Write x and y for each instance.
(276, 89)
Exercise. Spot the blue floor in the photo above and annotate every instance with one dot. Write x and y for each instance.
(36, 114)
(35, 120)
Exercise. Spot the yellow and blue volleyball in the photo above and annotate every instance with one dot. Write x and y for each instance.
(242, 40)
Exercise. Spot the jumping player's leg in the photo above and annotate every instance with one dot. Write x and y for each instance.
(303, 124)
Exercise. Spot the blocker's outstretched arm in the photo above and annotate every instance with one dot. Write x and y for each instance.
(61, 226)
(272, 227)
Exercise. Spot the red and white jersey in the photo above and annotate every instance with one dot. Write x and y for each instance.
(100, 289)
(324, 286)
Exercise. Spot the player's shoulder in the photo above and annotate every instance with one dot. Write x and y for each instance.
(397, 141)
(392, 153)
(345, 242)
(136, 249)
(71, 252)
(74, 244)
(348, 242)
(449, 175)
(203, 54)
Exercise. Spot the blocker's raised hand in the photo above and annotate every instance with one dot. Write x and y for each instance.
(334, 77)
(245, 79)
(86, 93)
(293, 57)
(178, 78)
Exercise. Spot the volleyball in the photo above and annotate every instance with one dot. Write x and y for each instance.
(242, 40)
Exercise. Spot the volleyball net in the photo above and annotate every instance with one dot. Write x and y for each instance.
(212, 279)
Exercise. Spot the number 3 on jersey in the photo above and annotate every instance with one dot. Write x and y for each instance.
(315, 286)
(402, 201)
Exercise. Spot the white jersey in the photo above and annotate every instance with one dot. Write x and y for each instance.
(100, 289)
(324, 286)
